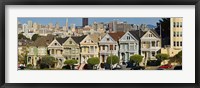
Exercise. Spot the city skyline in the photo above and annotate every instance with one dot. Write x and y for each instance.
(78, 20)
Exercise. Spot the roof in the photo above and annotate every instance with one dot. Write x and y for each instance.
(137, 34)
(154, 31)
(43, 40)
(78, 39)
(117, 35)
(62, 40)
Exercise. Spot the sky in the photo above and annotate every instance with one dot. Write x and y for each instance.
(78, 21)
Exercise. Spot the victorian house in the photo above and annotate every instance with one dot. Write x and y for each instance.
(150, 45)
(38, 49)
(129, 45)
(55, 49)
(109, 45)
(71, 48)
(89, 47)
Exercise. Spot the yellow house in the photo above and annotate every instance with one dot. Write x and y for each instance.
(89, 47)
(176, 39)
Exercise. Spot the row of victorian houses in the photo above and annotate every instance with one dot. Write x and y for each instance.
(80, 48)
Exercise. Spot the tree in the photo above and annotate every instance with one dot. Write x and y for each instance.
(112, 59)
(93, 61)
(177, 58)
(48, 60)
(136, 58)
(21, 36)
(71, 62)
(164, 24)
(162, 56)
(34, 37)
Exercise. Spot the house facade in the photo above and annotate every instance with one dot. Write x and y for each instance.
(71, 48)
(150, 45)
(55, 49)
(109, 45)
(129, 45)
(38, 49)
(89, 47)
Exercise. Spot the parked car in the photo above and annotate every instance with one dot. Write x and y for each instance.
(153, 62)
(166, 66)
(178, 67)
(66, 67)
(117, 67)
(137, 68)
(107, 66)
(129, 65)
(21, 66)
(87, 67)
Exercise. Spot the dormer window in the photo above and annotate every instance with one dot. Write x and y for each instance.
(70, 42)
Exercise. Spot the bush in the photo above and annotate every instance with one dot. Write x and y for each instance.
(93, 61)
(162, 56)
(114, 58)
(44, 66)
(29, 66)
(136, 58)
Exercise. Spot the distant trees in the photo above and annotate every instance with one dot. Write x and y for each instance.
(34, 37)
(21, 36)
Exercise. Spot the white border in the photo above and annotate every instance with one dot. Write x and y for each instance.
(187, 75)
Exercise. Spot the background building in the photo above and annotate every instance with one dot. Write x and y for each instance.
(85, 22)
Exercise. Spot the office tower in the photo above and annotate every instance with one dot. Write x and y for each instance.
(30, 24)
(66, 25)
(57, 26)
(84, 22)
(50, 25)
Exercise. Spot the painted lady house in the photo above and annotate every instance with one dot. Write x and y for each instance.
(89, 47)
(129, 45)
(109, 45)
(38, 49)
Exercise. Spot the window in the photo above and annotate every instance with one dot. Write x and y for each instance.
(115, 47)
(180, 24)
(128, 37)
(70, 42)
(177, 34)
(177, 24)
(180, 43)
(180, 34)
(174, 43)
(111, 47)
(103, 47)
(55, 44)
(174, 24)
(153, 53)
(153, 43)
(174, 34)
(91, 41)
(177, 43)
(108, 39)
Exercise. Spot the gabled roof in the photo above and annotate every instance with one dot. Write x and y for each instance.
(155, 33)
(117, 35)
(78, 39)
(137, 34)
(62, 40)
(43, 40)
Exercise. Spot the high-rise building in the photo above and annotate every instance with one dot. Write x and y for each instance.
(50, 25)
(57, 26)
(35, 26)
(176, 40)
(30, 24)
(66, 25)
(84, 22)
(176, 33)
(25, 28)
